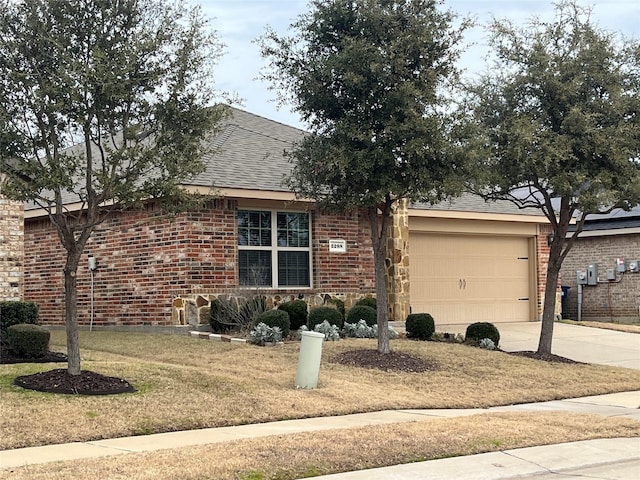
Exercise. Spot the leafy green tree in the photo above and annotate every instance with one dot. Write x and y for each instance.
(559, 127)
(370, 77)
(103, 105)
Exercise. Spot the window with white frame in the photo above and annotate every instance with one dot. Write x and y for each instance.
(274, 249)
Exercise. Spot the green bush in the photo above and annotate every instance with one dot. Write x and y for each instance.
(318, 315)
(13, 313)
(298, 313)
(479, 330)
(369, 302)
(420, 326)
(362, 312)
(339, 305)
(276, 318)
(28, 340)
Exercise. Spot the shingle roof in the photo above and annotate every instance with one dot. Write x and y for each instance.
(249, 154)
(468, 202)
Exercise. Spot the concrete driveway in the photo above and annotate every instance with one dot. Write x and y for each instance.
(583, 344)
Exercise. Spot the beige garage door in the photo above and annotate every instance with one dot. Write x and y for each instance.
(470, 278)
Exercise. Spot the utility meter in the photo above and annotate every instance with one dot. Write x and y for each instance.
(581, 276)
(620, 267)
(634, 266)
(592, 274)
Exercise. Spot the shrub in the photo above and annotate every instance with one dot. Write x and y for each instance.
(339, 304)
(362, 312)
(298, 313)
(331, 332)
(369, 302)
(362, 330)
(13, 313)
(276, 318)
(420, 326)
(262, 334)
(318, 315)
(479, 330)
(28, 340)
(487, 344)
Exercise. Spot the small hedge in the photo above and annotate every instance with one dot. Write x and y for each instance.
(14, 313)
(362, 312)
(28, 340)
(369, 302)
(420, 326)
(479, 330)
(318, 315)
(298, 313)
(339, 305)
(276, 318)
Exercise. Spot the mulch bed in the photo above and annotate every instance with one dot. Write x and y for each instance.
(544, 357)
(87, 383)
(59, 381)
(390, 362)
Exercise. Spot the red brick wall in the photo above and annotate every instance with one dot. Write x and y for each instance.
(146, 260)
(343, 272)
(542, 249)
(606, 300)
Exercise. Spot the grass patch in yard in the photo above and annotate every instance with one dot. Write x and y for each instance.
(186, 383)
(301, 455)
(619, 327)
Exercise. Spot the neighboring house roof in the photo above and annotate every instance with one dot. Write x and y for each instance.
(468, 202)
(617, 221)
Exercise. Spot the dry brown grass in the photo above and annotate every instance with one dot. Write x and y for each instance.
(619, 327)
(308, 454)
(187, 383)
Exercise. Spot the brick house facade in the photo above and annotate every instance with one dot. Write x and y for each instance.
(602, 242)
(159, 270)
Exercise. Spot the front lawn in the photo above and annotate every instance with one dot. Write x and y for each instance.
(186, 383)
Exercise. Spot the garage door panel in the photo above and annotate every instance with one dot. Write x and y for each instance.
(466, 278)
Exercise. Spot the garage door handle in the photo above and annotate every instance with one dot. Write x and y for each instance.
(527, 298)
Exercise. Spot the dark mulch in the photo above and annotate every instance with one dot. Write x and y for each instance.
(389, 362)
(87, 383)
(8, 356)
(59, 381)
(544, 357)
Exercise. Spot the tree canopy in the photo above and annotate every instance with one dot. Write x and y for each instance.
(557, 122)
(103, 105)
(371, 78)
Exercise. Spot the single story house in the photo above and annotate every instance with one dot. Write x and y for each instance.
(461, 261)
(611, 243)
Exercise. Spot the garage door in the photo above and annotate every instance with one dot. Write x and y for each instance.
(470, 278)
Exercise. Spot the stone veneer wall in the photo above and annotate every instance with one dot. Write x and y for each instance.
(11, 250)
(153, 270)
(398, 263)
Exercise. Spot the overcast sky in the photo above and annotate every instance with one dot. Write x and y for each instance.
(240, 22)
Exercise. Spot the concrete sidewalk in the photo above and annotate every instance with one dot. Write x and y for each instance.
(613, 405)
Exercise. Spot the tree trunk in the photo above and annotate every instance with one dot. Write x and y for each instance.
(549, 308)
(71, 313)
(378, 240)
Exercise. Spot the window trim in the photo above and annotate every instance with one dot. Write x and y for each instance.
(274, 249)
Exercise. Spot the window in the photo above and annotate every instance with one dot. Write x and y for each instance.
(273, 249)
